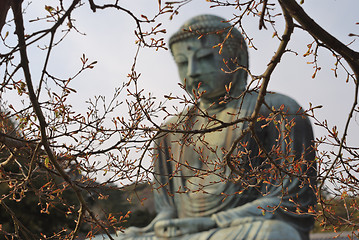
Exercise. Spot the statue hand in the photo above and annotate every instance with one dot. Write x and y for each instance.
(178, 227)
(136, 231)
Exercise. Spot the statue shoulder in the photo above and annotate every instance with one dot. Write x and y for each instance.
(172, 122)
(276, 100)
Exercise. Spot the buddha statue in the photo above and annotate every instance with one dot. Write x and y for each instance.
(197, 195)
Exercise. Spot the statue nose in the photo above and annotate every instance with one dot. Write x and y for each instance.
(193, 70)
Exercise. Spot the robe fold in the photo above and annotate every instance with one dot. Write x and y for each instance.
(192, 179)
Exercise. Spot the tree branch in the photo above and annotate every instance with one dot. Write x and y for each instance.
(351, 56)
(263, 90)
(318, 32)
(4, 8)
(16, 6)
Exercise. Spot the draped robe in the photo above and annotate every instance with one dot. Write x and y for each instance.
(192, 180)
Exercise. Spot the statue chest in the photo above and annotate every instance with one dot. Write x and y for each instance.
(203, 154)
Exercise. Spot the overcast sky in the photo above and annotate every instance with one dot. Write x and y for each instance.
(110, 40)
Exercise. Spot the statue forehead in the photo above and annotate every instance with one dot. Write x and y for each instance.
(211, 26)
(193, 43)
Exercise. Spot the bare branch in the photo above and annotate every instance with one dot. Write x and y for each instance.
(318, 32)
(265, 80)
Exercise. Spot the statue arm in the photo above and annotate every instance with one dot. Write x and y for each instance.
(162, 190)
(252, 211)
(182, 226)
(300, 145)
(162, 216)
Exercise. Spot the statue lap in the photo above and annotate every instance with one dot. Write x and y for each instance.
(256, 230)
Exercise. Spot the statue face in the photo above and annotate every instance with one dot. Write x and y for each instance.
(198, 62)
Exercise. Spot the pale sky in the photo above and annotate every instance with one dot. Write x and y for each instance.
(110, 40)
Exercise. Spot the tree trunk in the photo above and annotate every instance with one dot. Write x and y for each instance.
(4, 8)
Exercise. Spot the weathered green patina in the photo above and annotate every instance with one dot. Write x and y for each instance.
(197, 195)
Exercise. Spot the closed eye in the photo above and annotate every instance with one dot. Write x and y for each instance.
(182, 63)
(181, 60)
(206, 57)
(204, 54)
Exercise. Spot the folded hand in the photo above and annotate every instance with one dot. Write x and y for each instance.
(182, 226)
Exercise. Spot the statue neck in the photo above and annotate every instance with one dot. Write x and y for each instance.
(216, 106)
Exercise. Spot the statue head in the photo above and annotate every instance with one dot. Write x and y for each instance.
(199, 62)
